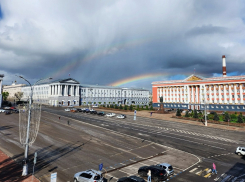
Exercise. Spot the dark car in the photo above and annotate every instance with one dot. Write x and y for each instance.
(87, 110)
(93, 112)
(15, 111)
(79, 110)
(7, 112)
(101, 113)
(157, 173)
(131, 179)
(212, 112)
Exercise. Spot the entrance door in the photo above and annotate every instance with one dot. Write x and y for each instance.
(68, 103)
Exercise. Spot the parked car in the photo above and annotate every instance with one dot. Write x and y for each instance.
(73, 110)
(110, 114)
(67, 110)
(2, 110)
(92, 111)
(90, 175)
(169, 169)
(157, 173)
(12, 107)
(79, 110)
(240, 151)
(121, 116)
(87, 110)
(15, 110)
(101, 113)
(7, 112)
(131, 179)
(84, 109)
(95, 106)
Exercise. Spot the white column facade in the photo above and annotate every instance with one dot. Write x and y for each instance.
(215, 96)
(235, 93)
(220, 98)
(241, 94)
(210, 94)
(225, 96)
(230, 97)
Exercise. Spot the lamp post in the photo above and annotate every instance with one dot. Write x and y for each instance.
(25, 161)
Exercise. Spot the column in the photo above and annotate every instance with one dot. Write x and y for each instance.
(241, 94)
(225, 96)
(210, 94)
(58, 90)
(189, 93)
(192, 92)
(65, 90)
(215, 96)
(220, 98)
(177, 97)
(50, 89)
(235, 93)
(72, 90)
(230, 96)
(170, 96)
(180, 96)
(197, 93)
(77, 90)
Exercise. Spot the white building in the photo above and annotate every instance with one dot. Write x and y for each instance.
(1, 83)
(12, 89)
(63, 92)
(96, 94)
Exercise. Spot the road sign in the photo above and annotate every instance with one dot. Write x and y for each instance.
(53, 177)
(35, 158)
(135, 114)
(100, 166)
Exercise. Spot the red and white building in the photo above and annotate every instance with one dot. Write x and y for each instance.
(220, 93)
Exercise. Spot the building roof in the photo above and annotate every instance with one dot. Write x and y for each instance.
(67, 80)
(110, 87)
(198, 78)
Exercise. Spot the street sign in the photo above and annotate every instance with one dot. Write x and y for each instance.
(135, 114)
(100, 166)
(35, 158)
(53, 177)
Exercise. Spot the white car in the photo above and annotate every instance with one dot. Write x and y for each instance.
(90, 175)
(95, 106)
(240, 151)
(168, 168)
(121, 116)
(110, 114)
(67, 110)
(2, 110)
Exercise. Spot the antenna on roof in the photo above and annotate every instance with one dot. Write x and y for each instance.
(194, 71)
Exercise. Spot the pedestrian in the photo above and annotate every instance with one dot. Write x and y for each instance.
(68, 122)
(59, 118)
(151, 113)
(149, 175)
(214, 169)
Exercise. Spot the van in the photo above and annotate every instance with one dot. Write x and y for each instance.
(240, 151)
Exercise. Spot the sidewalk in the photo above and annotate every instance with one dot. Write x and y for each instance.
(10, 171)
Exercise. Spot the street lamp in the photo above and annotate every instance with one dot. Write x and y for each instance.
(25, 161)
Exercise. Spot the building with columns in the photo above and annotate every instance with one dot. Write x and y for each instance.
(64, 92)
(1, 83)
(96, 94)
(12, 89)
(226, 93)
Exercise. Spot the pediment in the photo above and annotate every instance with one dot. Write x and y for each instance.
(194, 78)
(69, 80)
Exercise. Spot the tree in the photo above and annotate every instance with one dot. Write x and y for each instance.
(151, 107)
(178, 112)
(120, 107)
(195, 115)
(240, 118)
(125, 107)
(216, 117)
(116, 106)
(187, 114)
(131, 107)
(146, 107)
(161, 99)
(18, 95)
(108, 106)
(227, 117)
(138, 108)
(5, 95)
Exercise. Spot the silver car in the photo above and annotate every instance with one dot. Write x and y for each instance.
(168, 168)
(90, 175)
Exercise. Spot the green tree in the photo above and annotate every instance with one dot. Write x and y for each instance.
(108, 106)
(227, 117)
(5, 95)
(146, 107)
(125, 107)
(131, 107)
(18, 95)
(111, 106)
(116, 106)
(195, 115)
(120, 107)
(142, 107)
(151, 107)
(137, 107)
(240, 118)
(178, 112)
(187, 114)
(216, 117)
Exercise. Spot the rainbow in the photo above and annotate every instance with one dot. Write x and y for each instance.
(99, 52)
(137, 78)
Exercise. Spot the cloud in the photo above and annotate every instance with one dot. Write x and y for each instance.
(100, 42)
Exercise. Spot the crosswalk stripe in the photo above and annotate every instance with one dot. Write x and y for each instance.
(193, 170)
(207, 175)
(199, 173)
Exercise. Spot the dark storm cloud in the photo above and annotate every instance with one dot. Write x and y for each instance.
(103, 42)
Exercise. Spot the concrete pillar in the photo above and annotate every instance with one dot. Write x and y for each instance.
(210, 94)
(235, 93)
(197, 94)
(230, 96)
(220, 98)
(241, 94)
(58, 90)
(225, 96)
(215, 96)
(50, 90)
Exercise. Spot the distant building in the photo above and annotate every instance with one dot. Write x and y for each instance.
(96, 94)
(59, 92)
(219, 93)
(1, 83)
(12, 89)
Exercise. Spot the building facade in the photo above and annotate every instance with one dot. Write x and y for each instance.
(1, 83)
(12, 89)
(63, 92)
(225, 93)
(94, 94)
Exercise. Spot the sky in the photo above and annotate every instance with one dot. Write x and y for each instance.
(127, 43)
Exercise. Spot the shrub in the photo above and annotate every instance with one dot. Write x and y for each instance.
(195, 114)
(210, 116)
(233, 116)
(151, 107)
(108, 106)
(111, 106)
(216, 117)
(137, 107)
(131, 107)
(178, 113)
(142, 107)
(146, 107)
(116, 106)
(187, 114)
(125, 107)
(120, 107)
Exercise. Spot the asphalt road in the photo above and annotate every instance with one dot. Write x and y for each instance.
(125, 144)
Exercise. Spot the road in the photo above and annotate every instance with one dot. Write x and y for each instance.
(123, 145)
